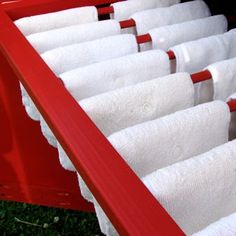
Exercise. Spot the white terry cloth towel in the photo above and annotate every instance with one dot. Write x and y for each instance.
(118, 109)
(47, 133)
(69, 57)
(208, 192)
(194, 56)
(174, 137)
(77, 55)
(55, 38)
(59, 19)
(116, 73)
(111, 74)
(124, 107)
(24, 96)
(195, 192)
(150, 19)
(28, 104)
(133, 105)
(223, 81)
(123, 10)
(31, 109)
(51, 39)
(225, 226)
(168, 36)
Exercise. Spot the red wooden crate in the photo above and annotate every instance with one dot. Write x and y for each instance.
(29, 167)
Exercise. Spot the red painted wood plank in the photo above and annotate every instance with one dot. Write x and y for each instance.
(105, 10)
(31, 7)
(232, 105)
(201, 76)
(127, 23)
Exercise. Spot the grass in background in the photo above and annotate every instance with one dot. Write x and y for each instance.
(22, 219)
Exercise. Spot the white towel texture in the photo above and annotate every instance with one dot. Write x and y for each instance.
(118, 109)
(198, 191)
(47, 133)
(77, 55)
(24, 95)
(31, 109)
(116, 73)
(195, 55)
(121, 108)
(174, 137)
(224, 81)
(48, 40)
(162, 142)
(28, 104)
(44, 22)
(223, 227)
(123, 10)
(55, 38)
(69, 57)
(109, 75)
(171, 35)
(150, 19)
(195, 192)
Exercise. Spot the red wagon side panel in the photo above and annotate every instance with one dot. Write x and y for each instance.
(30, 170)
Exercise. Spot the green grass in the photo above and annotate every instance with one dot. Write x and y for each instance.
(22, 219)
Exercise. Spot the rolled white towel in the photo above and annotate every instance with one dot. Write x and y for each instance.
(223, 82)
(208, 192)
(195, 192)
(27, 102)
(121, 108)
(24, 96)
(51, 39)
(168, 36)
(116, 73)
(77, 55)
(109, 75)
(194, 56)
(118, 109)
(150, 19)
(174, 137)
(55, 38)
(47, 133)
(44, 22)
(123, 10)
(224, 226)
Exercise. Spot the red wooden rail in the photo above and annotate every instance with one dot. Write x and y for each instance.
(232, 105)
(20, 9)
(206, 75)
(107, 175)
(127, 23)
(105, 10)
(201, 76)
